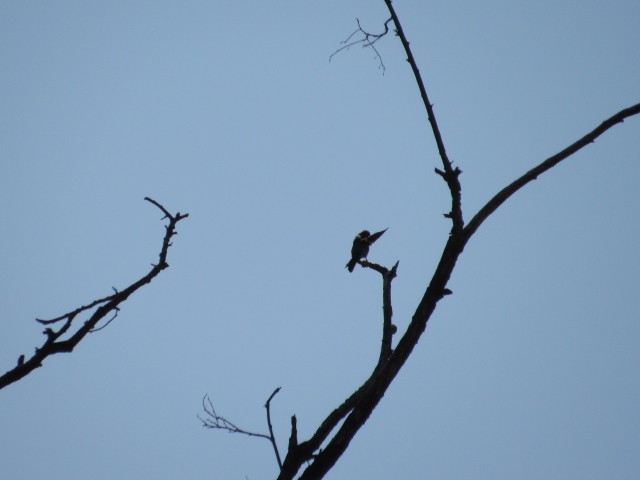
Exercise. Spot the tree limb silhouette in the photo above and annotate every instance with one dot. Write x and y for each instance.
(105, 306)
(500, 197)
(323, 449)
(218, 422)
(359, 406)
(368, 40)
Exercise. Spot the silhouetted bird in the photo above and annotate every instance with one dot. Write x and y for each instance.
(361, 245)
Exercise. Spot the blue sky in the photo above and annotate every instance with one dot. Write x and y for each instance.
(232, 112)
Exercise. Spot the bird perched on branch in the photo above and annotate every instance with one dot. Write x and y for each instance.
(361, 245)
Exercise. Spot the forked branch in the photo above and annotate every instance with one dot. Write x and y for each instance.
(367, 40)
(215, 421)
(106, 307)
(355, 411)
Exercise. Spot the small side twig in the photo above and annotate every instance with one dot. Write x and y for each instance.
(218, 422)
(97, 329)
(267, 405)
(368, 40)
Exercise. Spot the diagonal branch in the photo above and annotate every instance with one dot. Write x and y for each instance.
(378, 384)
(499, 198)
(358, 407)
(108, 305)
(388, 328)
(272, 437)
(305, 451)
(450, 175)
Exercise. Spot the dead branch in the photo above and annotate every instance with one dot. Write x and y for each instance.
(388, 329)
(218, 422)
(358, 407)
(502, 196)
(368, 40)
(272, 437)
(105, 306)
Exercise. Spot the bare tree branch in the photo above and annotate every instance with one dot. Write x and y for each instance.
(53, 344)
(267, 405)
(498, 199)
(218, 422)
(388, 328)
(305, 451)
(358, 407)
(450, 174)
(368, 40)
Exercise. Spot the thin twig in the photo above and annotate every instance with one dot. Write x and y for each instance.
(218, 422)
(267, 405)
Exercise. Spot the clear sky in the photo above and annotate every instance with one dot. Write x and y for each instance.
(231, 111)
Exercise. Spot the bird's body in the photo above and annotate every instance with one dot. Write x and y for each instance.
(360, 248)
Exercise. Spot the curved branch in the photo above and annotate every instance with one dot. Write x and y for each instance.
(108, 304)
(498, 199)
(361, 404)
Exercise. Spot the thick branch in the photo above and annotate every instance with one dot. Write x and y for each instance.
(493, 204)
(378, 383)
(297, 454)
(303, 452)
(388, 329)
(375, 387)
(108, 305)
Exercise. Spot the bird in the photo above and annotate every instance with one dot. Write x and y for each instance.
(361, 245)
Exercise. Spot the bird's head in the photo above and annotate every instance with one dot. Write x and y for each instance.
(364, 234)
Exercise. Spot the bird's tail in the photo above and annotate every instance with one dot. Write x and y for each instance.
(351, 264)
